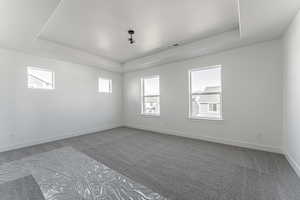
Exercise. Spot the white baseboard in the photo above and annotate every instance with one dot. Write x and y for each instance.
(211, 139)
(293, 163)
(60, 137)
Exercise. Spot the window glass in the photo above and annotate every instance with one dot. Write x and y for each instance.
(40, 78)
(206, 93)
(151, 86)
(150, 95)
(105, 85)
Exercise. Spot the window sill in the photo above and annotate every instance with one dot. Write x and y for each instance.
(150, 115)
(33, 88)
(206, 118)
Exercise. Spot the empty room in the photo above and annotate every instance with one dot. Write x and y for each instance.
(149, 100)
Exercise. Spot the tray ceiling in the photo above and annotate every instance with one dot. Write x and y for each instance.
(100, 27)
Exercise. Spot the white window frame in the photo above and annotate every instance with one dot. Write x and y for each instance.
(110, 85)
(143, 96)
(190, 116)
(41, 69)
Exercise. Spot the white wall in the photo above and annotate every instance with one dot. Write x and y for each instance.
(29, 116)
(252, 107)
(252, 98)
(292, 93)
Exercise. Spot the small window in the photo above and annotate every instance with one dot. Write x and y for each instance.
(205, 93)
(40, 78)
(150, 95)
(213, 107)
(105, 85)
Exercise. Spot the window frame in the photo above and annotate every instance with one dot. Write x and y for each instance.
(109, 83)
(190, 116)
(41, 69)
(143, 96)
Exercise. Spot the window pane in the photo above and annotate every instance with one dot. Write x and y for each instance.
(206, 93)
(151, 86)
(151, 105)
(105, 85)
(150, 95)
(206, 80)
(213, 107)
(206, 105)
(40, 79)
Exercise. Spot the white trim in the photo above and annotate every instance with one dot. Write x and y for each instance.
(60, 137)
(150, 115)
(197, 68)
(239, 16)
(211, 139)
(49, 19)
(206, 118)
(293, 163)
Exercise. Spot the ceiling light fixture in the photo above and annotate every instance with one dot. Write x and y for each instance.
(131, 40)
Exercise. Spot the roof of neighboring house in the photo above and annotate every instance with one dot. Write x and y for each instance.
(210, 89)
(209, 95)
(208, 98)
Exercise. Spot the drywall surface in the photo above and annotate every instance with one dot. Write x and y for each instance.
(30, 116)
(252, 98)
(291, 123)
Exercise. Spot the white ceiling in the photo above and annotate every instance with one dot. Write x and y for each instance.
(100, 26)
(21, 21)
(266, 18)
(94, 32)
(259, 20)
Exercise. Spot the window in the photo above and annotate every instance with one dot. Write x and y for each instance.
(105, 85)
(150, 95)
(205, 93)
(213, 107)
(40, 78)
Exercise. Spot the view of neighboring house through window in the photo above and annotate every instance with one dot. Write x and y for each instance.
(150, 95)
(40, 78)
(206, 93)
(105, 85)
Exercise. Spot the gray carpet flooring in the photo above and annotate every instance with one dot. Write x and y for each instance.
(24, 188)
(180, 168)
(67, 174)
